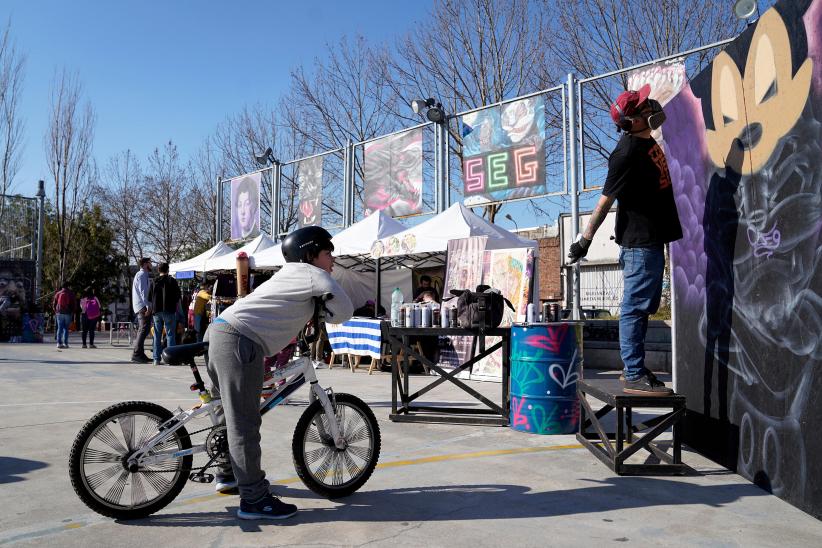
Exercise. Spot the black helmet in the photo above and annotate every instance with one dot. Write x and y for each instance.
(306, 241)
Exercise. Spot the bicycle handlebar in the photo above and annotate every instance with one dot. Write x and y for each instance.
(320, 311)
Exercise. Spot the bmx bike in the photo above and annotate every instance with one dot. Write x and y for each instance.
(133, 458)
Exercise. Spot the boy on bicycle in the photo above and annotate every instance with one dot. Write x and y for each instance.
(256, 326)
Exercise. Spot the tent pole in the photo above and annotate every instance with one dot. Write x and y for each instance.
(379, 289)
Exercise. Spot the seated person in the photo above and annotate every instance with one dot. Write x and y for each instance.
(425, 285)
(367, 310)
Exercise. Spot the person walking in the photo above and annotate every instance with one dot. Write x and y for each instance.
(165, 298)
(63, 304)
(91, 312)
(141, 305)
(647, 219)
(201, 310)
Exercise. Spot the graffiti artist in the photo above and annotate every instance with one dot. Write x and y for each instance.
(647, 219)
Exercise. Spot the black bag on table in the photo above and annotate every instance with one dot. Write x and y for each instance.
(480, 309)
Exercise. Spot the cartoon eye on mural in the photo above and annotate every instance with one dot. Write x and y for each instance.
(745, 144)
(245, 206)
(310, 181)
(393, 174)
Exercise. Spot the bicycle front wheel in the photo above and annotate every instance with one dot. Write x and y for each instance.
(325, 469)
(98, 462)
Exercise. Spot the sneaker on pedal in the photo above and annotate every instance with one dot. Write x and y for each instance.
(268, 507)
(226, 485)
(646, 385)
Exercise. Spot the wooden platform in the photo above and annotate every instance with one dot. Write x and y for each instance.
(610, 447)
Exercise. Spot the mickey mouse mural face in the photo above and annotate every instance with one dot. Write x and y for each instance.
(762, 106)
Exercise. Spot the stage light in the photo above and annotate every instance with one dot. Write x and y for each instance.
(265, 157)
(743, 9)
(417, 105)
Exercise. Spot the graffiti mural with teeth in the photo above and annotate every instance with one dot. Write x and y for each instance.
(745, 143)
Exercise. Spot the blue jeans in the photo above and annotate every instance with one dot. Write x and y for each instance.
(63, 322)
(169, 320)
(642, 270)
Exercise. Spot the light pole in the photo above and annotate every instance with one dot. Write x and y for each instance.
(516, 226)
(41, 195)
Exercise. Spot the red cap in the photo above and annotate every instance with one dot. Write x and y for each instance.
(628, 101)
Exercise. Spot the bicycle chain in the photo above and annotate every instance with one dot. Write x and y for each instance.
(200, 468)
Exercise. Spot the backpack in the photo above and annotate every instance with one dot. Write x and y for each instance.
(92, 308)
(480, 309)
(63, 302)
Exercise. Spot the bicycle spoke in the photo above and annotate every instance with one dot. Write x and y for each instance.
(147, 431)
(353, 468)
(127, 428)
(96, 456)
(97, 479)
(362, 452)
(315, 454)
(362, 433)
(312, 436)
(337, 477)
(158, 481)
(115, 493)
(107, 436)
(322, 471)
(138, 492)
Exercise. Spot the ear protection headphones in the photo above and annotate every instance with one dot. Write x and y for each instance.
(655, 119)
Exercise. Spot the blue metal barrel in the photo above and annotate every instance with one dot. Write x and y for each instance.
(546, 362)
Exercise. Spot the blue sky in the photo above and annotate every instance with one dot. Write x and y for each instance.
(159, 70)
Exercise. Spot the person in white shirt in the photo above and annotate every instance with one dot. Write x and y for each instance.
(260, 325)
(141, 304)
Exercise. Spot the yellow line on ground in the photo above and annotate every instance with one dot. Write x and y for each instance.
(422, 460)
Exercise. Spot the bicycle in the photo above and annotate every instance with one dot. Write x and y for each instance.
(133, 458)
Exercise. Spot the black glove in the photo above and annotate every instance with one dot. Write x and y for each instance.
(579, 248)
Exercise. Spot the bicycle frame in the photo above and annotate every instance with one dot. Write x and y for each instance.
(302, 370)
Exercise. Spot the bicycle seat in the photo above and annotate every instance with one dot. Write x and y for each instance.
(184, 353)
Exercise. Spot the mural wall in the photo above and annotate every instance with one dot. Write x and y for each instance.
(745, 154)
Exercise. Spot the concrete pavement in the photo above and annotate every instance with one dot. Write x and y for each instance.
(437, 484)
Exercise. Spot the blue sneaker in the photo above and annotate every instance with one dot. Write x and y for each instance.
(226, 485)
(268, 507)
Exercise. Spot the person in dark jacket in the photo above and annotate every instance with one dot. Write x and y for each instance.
(165, 297)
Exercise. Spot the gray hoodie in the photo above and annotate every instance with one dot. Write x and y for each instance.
(277, 310)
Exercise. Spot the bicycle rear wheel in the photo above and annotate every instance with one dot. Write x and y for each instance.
(99, 455)
(326, 470)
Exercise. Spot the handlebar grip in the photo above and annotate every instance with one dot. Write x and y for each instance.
(325, 297)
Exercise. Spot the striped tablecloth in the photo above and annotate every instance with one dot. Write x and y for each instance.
(357, 336)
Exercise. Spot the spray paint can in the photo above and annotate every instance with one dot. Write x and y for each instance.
(435, 315)
(546, 313)
(529, 315)
(444, 316)
(409, 316)
(452, 317)
(426, 316)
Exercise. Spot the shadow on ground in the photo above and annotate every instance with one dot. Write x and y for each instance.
(12, 468)
(478, 502)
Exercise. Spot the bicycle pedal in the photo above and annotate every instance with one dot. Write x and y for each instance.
(201, 478)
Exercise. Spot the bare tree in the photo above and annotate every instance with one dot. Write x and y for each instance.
(12, 65)
(68, 147)
(120, 195)
(472, 53)
(601, 36)
(201, 196)
(162, 217)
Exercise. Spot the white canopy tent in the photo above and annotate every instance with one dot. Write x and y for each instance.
(356, 240)
(198, 263)
(253, 248)
(423, 242)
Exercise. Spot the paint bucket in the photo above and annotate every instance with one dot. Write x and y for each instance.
(546, 362)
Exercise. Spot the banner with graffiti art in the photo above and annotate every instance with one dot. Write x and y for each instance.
(393, 174)
(666, 80)
(19, 319)
(511, 271)
(504, 152)
(245, 206)
(310, 190)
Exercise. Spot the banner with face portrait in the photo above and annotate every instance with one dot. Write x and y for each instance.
(393, 174)
(310, 191)
(245, 206)
(504, 152)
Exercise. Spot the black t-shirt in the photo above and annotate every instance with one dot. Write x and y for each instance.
(638, 178)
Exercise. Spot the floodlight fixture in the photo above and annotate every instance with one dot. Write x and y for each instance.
(508, 216)
(433, 109)
(266, 157)
(417, 105)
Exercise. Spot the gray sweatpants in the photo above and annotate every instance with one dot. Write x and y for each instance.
(235, 365)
